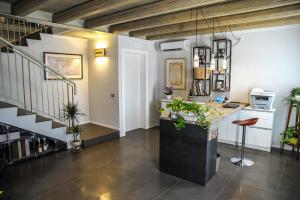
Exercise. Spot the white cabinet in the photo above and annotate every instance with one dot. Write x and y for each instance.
(222, 134)
(258, 136)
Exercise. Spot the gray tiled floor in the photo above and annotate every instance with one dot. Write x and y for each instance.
(127, 169)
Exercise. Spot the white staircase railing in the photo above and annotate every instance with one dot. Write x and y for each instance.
(15, 29)
(32, 85)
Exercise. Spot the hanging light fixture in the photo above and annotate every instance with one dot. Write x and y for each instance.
(196, 53)
(213, 61)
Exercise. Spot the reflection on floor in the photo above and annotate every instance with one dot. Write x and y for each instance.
(127, 169)
(93, 134)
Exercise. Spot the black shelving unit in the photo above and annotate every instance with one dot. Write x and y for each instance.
(201, 74)
(25, 146)
(220, 77)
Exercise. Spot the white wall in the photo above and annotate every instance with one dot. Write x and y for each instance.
(266, 58)
(61, 44)
(125, 42)
(103, 78)
(103, 81)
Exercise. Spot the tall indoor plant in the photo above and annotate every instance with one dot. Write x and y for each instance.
(71, 114)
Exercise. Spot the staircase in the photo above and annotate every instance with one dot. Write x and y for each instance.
(31, 93)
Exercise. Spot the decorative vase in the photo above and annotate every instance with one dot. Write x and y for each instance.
(76, 143)
(169, 97)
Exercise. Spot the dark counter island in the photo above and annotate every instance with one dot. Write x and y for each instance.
(189, 153)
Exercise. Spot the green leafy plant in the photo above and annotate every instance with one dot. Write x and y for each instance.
(180, 107)
(290, 136)
(72, 114)
(292, 99)
(295, 91)
(179, 123)
(176, 105)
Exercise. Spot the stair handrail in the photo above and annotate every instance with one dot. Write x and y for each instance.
(38, 62)
(43, 22)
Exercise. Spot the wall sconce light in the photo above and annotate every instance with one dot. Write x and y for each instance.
(100, 52)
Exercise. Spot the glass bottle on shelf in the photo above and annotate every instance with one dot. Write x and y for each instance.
(40, 149)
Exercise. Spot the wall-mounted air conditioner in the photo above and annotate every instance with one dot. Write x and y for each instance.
(179, 45)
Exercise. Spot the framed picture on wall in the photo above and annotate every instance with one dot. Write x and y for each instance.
(175, 73)
(69, 65)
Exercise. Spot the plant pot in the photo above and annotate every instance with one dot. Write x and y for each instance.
(174, 115)
(76, 146)
(169, 97)
(190, 117)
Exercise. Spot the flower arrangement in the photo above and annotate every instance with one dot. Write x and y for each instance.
(169, 90)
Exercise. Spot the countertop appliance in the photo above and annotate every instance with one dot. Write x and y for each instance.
(262, 98)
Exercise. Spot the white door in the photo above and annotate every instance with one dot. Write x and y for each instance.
(132, 90)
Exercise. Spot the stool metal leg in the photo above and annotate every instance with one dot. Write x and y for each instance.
(243, 162)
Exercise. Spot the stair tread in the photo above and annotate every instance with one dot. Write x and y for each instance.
(6, 105)
(57, 125)
(22, 112)
(40, 118)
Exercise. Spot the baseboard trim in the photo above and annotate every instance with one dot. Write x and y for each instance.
(152, 125)
(105, 125)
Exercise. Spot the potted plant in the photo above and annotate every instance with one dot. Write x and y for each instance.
(175, 106)
(189, 111)
(296, 93)
(71, 113)
(290, 136)
(168, 92)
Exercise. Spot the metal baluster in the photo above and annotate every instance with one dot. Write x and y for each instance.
(8, 142)
(29, 80)
(58, 99)
(35, 88)
(16, 71)
(1, 70)
(46, 76)
(14, 30)
(7, 29)
(23, 78)
(53, 99)
(42, 87)
(25, 29)
(8, 66)
(63, 91)
(72, 93)
(19, 24)
(1, 29)
(68, 93)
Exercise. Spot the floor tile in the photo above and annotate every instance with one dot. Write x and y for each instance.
(127, 169)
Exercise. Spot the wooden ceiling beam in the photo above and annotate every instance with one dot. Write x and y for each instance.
(236, 27)
(148, 10)
(268, 14)
(213, 11)
(93, 7)
(25, 7)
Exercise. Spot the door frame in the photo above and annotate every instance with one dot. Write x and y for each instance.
(144, 73)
